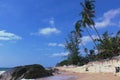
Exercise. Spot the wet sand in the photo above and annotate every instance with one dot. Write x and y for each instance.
(61, 76)
(82, 76)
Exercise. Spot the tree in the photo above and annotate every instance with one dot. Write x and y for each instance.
(78, 31)
(86, 50)
(87, 21)
(92, 55)
(118, 37)
(72, 45)
(81, 24)
(109, 46)
(88, 14)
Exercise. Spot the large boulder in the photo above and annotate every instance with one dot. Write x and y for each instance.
(26, 72)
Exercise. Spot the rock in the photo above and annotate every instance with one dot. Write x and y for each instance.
(26, 72)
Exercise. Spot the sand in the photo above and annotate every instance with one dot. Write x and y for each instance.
(82, 76)
(97, 76)
(62, 76)
(70, 75)
(79, 73)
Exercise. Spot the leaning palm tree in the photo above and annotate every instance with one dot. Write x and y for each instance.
(79, 25)
(87, 20)
(88, 14)
(78, 31)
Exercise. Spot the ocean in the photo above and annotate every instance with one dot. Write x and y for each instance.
(5, 69)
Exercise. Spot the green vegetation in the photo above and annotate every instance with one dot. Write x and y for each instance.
(107, 45)
(72, 45)
(87, 15)
(62, 63)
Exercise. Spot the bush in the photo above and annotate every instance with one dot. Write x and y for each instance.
(64, 62)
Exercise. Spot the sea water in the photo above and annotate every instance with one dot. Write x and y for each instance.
(2, 70)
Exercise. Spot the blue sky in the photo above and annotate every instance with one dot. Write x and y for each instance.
(34, 31)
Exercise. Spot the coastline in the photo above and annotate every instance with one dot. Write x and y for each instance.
(1, 72)
(61, 76)
(70, 75)
(88, 75)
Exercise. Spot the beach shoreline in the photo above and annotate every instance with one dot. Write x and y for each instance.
(81, 74)
(69, 75)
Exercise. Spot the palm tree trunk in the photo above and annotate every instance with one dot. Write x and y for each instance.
(97, 32)
(91, 37)
(95, 28)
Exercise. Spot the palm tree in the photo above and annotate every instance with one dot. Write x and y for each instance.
(87, 18)
(79, 25)
(88, 14)
(78, 33)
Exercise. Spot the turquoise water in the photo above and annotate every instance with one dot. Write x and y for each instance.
(4, 69)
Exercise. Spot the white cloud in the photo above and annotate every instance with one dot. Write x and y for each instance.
(5, 36)
(62, 54)
(87, 39)
(61, 45)
(49, 31)
(52, 44)
(106, 20)
(56, 45)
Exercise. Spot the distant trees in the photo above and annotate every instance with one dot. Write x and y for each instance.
(62, 63)
(109, 46)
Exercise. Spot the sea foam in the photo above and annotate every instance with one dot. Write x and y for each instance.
(1, 72)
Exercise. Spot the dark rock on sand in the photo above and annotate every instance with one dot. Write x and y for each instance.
(27, 72)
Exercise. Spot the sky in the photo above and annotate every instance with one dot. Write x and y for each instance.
(34, 31)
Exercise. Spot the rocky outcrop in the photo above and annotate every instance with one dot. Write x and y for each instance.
(26, 72)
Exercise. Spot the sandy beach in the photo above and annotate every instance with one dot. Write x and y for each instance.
(70, 75)
(83, 76)
(96, 76)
